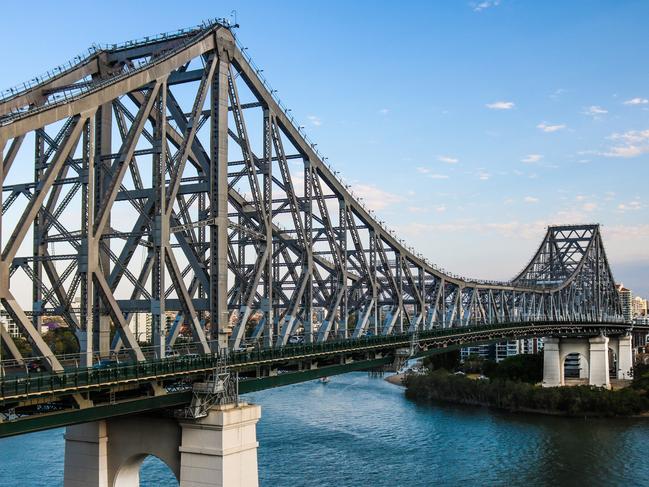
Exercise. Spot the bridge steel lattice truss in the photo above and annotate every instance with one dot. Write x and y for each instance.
(163, 175)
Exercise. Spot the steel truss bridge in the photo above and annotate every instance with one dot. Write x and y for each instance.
(163, 176)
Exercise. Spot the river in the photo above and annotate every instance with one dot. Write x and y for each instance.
(361, 431)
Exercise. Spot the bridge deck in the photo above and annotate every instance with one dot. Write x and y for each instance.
(45, 400)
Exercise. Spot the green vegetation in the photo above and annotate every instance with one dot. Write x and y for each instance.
(449, 360)
(523, 368)
(512, 387)
(61, 341)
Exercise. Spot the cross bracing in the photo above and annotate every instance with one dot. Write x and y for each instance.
(163, 176)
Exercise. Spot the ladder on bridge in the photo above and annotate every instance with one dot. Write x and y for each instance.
(220, 387)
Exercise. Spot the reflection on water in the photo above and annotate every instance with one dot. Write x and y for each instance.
(361, 431)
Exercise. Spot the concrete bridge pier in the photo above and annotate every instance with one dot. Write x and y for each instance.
(218, 450)
(596, 358)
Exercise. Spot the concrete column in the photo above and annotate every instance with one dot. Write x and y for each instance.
(86, 455)
(599, 362)
(216, 451)
(220, 450)
(624, 357)
(552, 366)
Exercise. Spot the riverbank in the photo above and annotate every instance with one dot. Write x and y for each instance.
(396, 379)
(515, 396)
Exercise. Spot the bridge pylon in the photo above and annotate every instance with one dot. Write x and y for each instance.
(216, 450)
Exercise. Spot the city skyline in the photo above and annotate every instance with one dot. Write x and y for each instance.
(468, 127)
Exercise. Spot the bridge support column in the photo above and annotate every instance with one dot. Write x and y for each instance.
(599, 373)
(86, 455)
(625, 357)
(593, 360)
(552, 373)
(218, 450)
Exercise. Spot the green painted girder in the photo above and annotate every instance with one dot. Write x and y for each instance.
(38, 386)
(172, 400)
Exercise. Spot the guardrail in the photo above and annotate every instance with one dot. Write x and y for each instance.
(83, 378)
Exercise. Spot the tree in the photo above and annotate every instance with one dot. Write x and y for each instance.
(523, 368)
(62, 341)
(448, 361)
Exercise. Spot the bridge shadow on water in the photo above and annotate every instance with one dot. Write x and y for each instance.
(359, 431)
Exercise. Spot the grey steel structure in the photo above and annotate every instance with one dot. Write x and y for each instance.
(167, 176)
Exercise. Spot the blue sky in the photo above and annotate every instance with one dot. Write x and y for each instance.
(468, 126)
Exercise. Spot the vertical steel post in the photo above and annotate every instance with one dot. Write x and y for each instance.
(88, 249)
(39, 248)
(160, 235)
(219, 202)
(103, 175)
(268, 203)
(399, 278)
(373, 281)
(342, 239)
(307, 300)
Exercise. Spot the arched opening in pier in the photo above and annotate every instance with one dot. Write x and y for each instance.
(145, 470)
(575, 366)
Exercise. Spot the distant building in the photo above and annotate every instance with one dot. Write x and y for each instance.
(144, 325)
(626, 298)
(141, 327)
(641, 320)
(500, 351)
(639, 306)
(8, 323)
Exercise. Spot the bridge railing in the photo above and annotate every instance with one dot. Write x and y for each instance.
(36, 363)
(64, 97)
(175, 366)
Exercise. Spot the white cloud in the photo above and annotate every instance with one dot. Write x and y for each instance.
(632, 136)
(530, 199)
(440, 209)
(423, 170)
(417, 209)
(637, 101)
(500, 105)
(625, 151)
(629, 144)
(550, 128)
(485, 4)
(631, 206)
(557, 93)
(532, 158)
(483, 176)
(315, 121)
(589, 206)
(374, 197)
(437, 176)
(448, 159)
(384, 111)
(595, 111)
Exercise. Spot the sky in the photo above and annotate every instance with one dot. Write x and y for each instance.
(469, 126)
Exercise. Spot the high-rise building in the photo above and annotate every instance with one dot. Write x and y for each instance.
(141, 327)
(626, 298)
(9, 323)
(639, 306)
